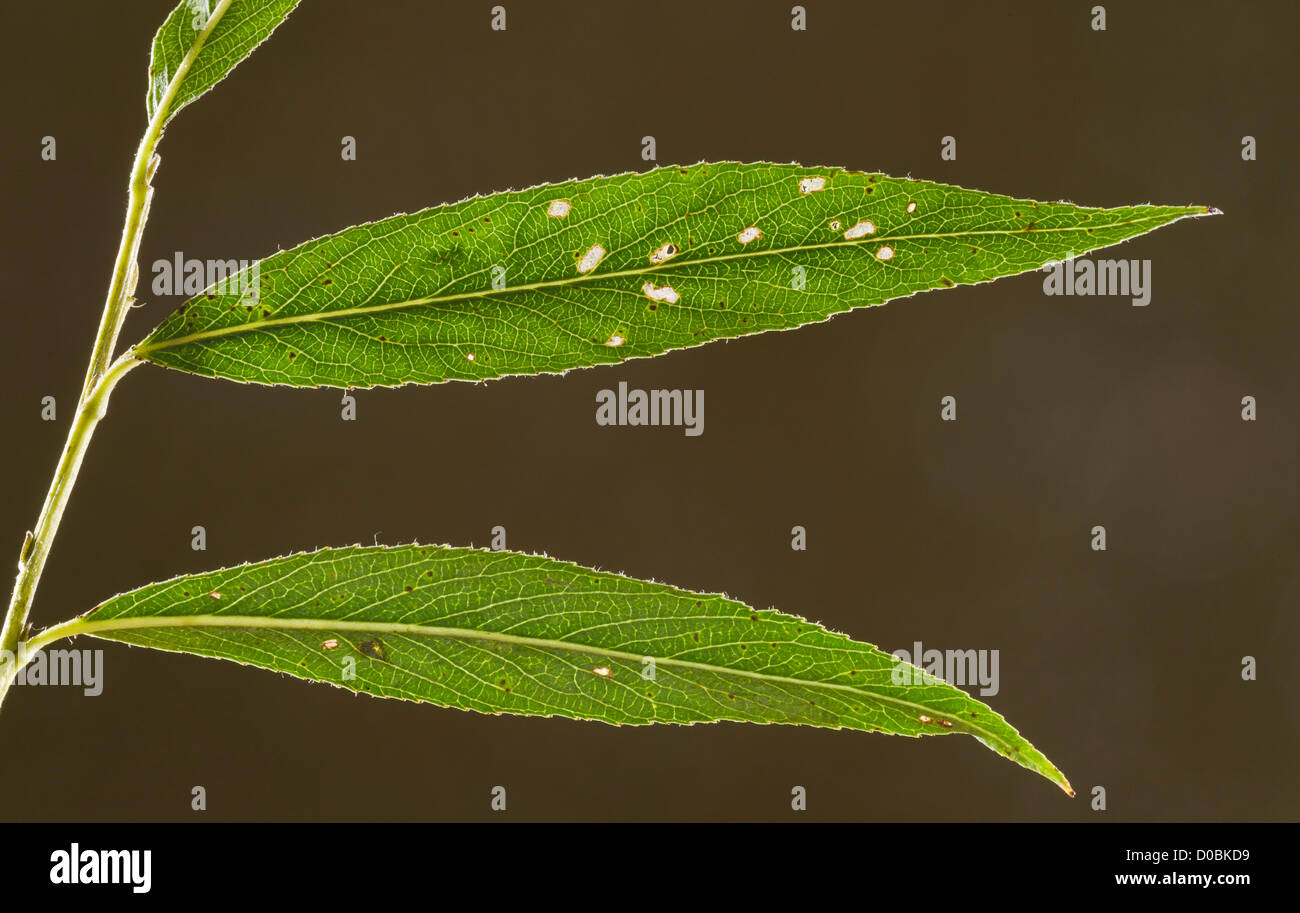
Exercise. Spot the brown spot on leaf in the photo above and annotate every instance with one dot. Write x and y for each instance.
(374, 648)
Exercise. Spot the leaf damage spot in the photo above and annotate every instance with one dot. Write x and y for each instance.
(749, 234)
(812, 185)
(861, 230)
(558, 209)
(603, 671)
(660, 292)
(469, 356)
(374, 648)
(885, 253)
(925, 719)
(615, 340)
(911, 206)
(664, 253)
(592, 257)
(331, 644)
(215, 595)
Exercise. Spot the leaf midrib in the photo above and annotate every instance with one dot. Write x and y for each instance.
(94, 628)
(142, 350)
(163, 110)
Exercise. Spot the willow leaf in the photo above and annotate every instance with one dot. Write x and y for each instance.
(590, 272)
(200, 42)
(502, 632)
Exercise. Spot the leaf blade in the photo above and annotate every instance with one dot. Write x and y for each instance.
(198, 45)
(410, 299)
(502, 632)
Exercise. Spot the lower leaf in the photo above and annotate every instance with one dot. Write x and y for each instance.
(503, 632)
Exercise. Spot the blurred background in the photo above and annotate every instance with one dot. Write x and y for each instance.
(1123, 666)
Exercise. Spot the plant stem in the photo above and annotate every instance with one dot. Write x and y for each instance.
(36, 547)
(103, 373)
(99, 383)
(101, 377)
(125, 270)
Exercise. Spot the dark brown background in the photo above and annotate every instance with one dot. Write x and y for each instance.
(1123, 667)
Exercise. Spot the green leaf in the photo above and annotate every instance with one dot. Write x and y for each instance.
(202, 41)
(591, 272)
(501, 632)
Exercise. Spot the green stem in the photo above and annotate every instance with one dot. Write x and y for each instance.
(36, 547)
(23, 652)
(125, 270)
(102, 374)
(101, 377)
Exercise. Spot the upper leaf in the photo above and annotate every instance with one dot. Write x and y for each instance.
(570, 275)
(501, 632)
(200, 42)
